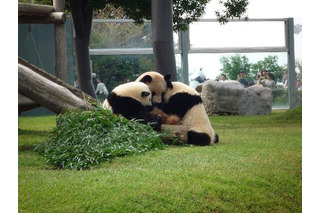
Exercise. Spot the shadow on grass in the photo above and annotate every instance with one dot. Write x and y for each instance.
(28, 139)
(32, 132)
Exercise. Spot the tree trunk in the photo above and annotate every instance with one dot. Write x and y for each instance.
(47, 93)
(162, 32)
(82, 20)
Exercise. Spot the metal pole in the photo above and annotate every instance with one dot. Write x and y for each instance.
(184, 46)
(292, 93)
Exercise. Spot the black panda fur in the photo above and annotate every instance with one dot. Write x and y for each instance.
(186, 103)
(124, 104)
(174, 106)
(201, 139)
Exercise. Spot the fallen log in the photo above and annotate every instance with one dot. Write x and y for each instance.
(54, 97)
(56, 80)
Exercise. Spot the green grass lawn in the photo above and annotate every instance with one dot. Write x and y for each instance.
(256, 167)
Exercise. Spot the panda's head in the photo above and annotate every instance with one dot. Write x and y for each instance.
(157, 83)
(136, 90)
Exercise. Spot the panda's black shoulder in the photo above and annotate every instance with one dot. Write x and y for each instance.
(126, 106)
(180, 103)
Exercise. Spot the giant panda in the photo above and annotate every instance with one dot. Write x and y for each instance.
(186, 103)
(133, 101)
(158, 85)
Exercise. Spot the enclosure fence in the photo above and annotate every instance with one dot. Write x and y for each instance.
(184, 48)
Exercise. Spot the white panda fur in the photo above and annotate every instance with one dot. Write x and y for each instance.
(133, 101)
(133, 90)
(186, 103)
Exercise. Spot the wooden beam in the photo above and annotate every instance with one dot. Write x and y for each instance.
(34, 9)
(47, 93)
(60, 40)
(51, 18)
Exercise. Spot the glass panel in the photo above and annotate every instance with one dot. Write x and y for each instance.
(237, 34)
(120, 35)
(114, 70)
(118, 69)
(212, 67)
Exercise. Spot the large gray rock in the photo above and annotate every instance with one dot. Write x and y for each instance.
(233, 99)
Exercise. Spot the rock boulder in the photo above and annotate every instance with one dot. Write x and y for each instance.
(232, 98)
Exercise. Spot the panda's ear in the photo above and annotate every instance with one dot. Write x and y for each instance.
(146, 79)
(167, 77)
(145, 94)
(169, 85)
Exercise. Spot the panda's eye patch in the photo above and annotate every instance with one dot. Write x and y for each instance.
(162, 94)
(145, 94)
(153, 93)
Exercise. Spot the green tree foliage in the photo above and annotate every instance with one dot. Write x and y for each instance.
(232, 9)
(269, 63)
(186, 12)
(232, 65)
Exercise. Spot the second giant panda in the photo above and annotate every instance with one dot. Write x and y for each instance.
(158, 85)
(133, 101)
(186, 103)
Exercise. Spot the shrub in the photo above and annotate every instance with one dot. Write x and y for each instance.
(84, 139)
